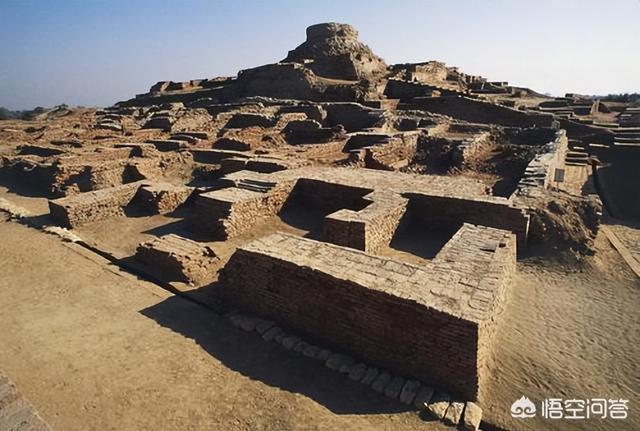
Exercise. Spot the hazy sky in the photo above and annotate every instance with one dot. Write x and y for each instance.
(95, 53)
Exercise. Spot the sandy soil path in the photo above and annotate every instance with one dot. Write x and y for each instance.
(95, 349)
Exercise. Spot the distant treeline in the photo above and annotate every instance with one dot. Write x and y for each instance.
(29, 114)
(622, 97)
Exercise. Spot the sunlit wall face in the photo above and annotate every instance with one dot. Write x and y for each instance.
(98, 52)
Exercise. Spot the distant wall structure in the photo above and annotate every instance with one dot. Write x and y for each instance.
(477, 111)
(434, 323)
(362, 206)
(547, 169)
(333, 51)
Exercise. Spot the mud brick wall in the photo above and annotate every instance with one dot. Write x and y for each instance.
(325, 150)
(80, 174)
(387, 156)
(369, 229)
(177, 258)
(76, 210)
(102, 155)
(451, 212)
(161, 198)
(405, 91)
(329, 197)
(382, 311)
(227, 213)
(430, 71)
(540, 173)
(469, 148)
(477, 111)
(499, 276)
(76, 178)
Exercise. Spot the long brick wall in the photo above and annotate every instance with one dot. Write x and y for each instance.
(430, 322)
(479, 111)
(450, 212)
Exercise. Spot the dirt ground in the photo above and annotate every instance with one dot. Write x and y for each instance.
(96, 349)
(569, 331)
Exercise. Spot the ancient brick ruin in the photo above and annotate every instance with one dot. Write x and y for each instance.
(378, 209)
(432, 322)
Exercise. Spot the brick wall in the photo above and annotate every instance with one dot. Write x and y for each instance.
(75, 210)
(477, 111)
(229, 212)
(387, 156)
(425, 322)
(450, 212)
(370, 228)
(329, 197)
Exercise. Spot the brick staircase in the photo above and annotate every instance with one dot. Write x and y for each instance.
(255, 185)
(627, 136)
(577, 155)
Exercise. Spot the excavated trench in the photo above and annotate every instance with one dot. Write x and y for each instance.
(617, 179)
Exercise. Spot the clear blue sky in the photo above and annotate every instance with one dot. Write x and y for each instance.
(94, 53)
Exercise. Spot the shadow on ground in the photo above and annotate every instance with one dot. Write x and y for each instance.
(269, 363)
(23, 187)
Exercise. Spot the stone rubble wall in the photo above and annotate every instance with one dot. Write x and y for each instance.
(419, 321)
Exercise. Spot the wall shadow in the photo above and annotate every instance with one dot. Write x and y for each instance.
(414, 236)
(267, 362)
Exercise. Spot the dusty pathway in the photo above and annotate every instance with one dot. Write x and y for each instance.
(569, 332)
(95, 349)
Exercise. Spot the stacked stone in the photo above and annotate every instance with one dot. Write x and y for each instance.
(438, 404)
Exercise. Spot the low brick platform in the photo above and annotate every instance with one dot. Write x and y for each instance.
(226, 213)
(434, 322)
(73, 211)
(177, 258)
(161, 198)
